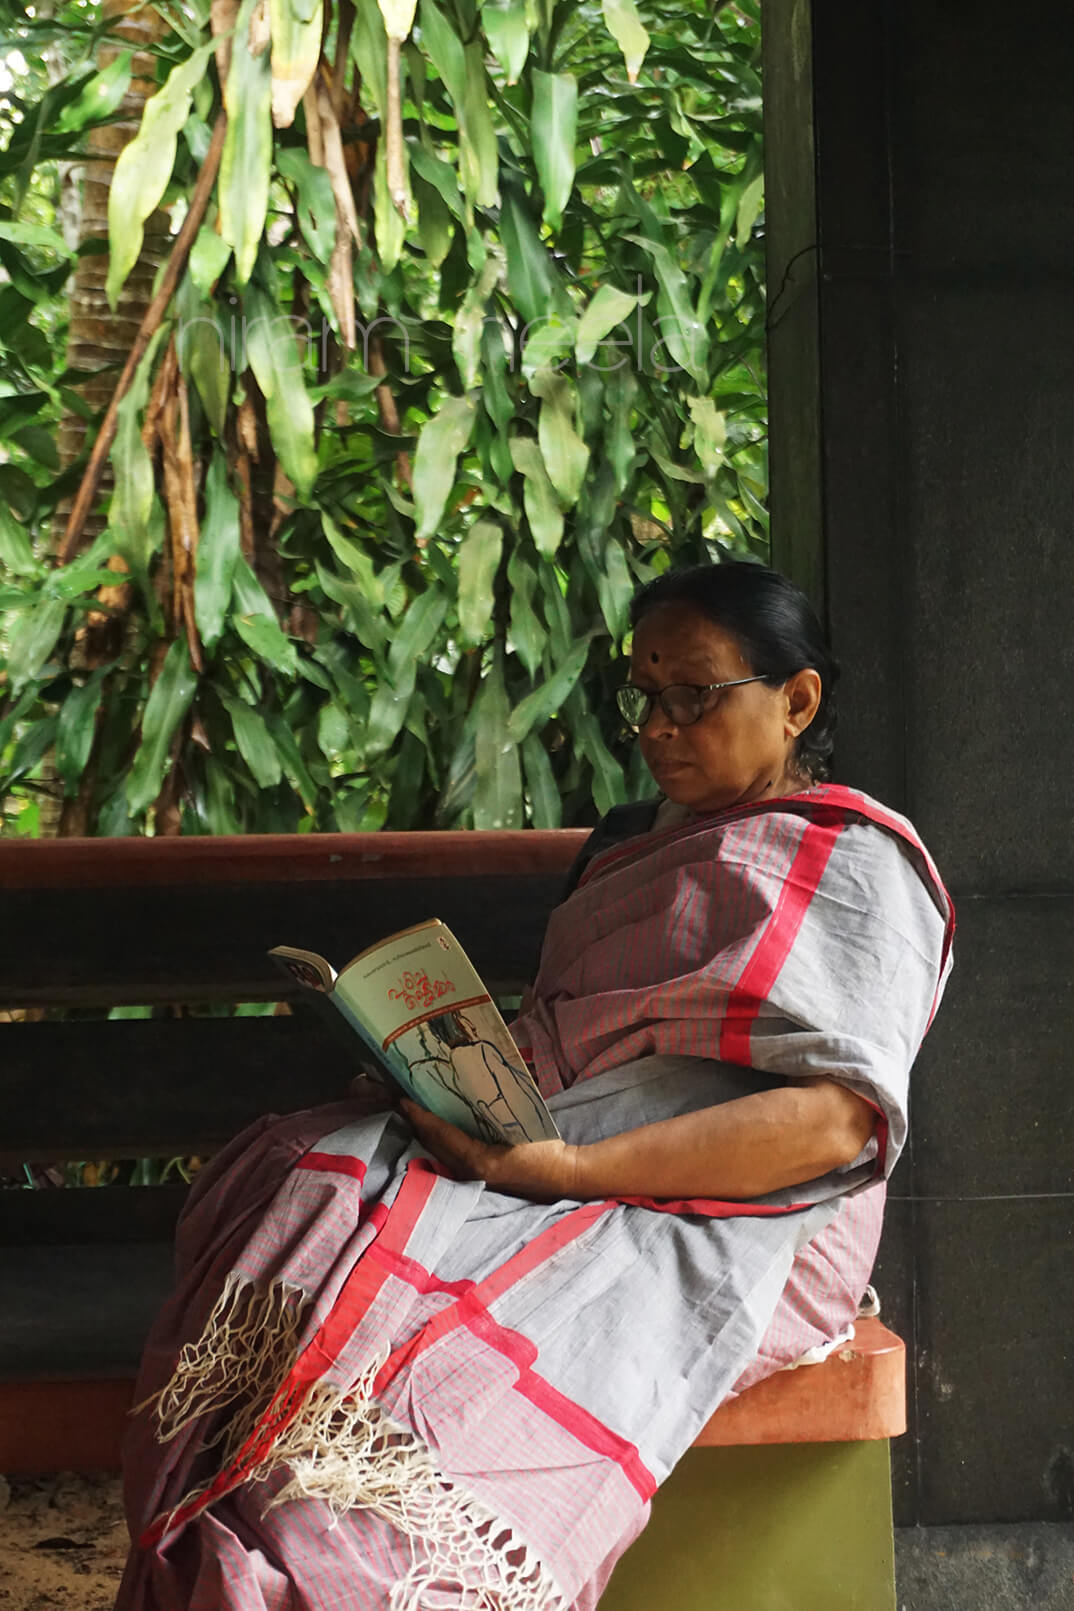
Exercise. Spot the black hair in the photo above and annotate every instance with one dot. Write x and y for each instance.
(776, 628)
(450, 1028)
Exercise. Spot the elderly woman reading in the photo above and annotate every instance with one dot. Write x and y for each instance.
(403, 1368)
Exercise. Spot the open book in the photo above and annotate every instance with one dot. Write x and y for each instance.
(424, 1017)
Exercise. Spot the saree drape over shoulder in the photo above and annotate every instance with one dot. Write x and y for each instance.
(380, 1387)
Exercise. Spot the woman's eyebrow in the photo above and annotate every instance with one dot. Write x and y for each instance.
(639, 675)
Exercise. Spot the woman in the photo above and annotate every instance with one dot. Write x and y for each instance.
(447, 1373)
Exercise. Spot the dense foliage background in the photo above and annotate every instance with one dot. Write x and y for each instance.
(469, 339)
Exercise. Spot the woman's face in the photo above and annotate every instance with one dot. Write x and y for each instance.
(740, 749)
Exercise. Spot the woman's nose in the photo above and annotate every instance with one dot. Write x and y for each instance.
(658, 722)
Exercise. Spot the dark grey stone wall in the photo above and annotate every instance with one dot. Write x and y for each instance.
(942, 288)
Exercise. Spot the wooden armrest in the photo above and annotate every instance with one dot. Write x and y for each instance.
(857, 1393)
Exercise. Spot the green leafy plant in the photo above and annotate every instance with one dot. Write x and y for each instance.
(463, 338)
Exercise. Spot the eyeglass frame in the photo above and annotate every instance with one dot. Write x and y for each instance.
(694, 688)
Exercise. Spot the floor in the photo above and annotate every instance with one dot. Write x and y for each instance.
(63, 1542)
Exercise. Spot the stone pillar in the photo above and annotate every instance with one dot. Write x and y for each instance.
(938, 387)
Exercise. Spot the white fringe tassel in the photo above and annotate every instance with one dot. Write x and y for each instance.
(250, 1342)
(342, 1449)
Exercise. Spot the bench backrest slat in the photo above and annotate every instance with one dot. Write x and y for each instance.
(91, 1217)
(152, 936)
(159, 1088)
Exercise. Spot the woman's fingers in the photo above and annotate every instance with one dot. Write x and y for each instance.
(465, 1157)
(544, 1171)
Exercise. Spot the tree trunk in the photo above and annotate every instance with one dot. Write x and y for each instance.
(99, 341)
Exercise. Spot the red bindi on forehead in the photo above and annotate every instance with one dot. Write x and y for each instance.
(655, 658)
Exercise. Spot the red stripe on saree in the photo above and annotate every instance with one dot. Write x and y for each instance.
(773, 948)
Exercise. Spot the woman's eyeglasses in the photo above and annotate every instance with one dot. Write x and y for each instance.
(683, 703)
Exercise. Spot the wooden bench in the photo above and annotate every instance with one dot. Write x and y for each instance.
(795, 1470)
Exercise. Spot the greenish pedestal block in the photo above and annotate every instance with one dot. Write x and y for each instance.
(782, 1527)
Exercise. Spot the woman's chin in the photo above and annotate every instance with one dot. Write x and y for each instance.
(682, 786)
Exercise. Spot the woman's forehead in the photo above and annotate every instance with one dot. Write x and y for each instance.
(684, 645)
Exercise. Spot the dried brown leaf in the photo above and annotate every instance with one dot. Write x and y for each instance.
(393, 135)
(346, 212)
(223, 15)
(341, 288)
(314, 137)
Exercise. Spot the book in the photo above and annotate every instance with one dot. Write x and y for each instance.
(424, 1018)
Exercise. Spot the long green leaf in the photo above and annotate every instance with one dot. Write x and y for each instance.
(539, 496)
(553, 127)
(202, 352)
(33, 641)
(678, 326)
(439, 446)
(529, 270)
(388, 713)
(749, 205)
(277, 365)
(609, 785)
(626, 28)
(208, 259)
(132, 501)
(165, 708)
(607, 310)
(253, 741)
(255, 621)
(294, 766)
(546, 802)
(621, 390)
(296, 27)
(479, 560)
(498, 776)
(710, 433)
(16, 554)
(436, 227)
(100, 97)
(28, 234)
(549, 342)
(416, 633)
(246, 161)
(74, 735)
(479, 151)
(533, 711)
(462, 70)
(218, 553)
(442, 176)
(30, 750)
(527, 635)
(564, 453)
(507, 29)
(316, 210)
(470, 320)
(144, 167)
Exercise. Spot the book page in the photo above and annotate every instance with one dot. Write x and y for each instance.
(422, 999)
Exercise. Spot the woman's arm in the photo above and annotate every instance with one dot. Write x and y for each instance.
(737, 1151)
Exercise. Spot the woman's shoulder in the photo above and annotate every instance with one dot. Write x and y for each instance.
(879, 824)
(622, 822)
(841, 801)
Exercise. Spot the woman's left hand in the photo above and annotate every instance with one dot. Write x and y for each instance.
(543, 1171)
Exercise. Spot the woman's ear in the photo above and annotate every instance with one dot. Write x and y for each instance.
(802, 693)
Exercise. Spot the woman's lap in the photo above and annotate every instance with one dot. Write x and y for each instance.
(238, 1555)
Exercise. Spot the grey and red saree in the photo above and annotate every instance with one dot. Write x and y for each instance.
(378, 1387)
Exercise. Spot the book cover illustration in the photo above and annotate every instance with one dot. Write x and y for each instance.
(418, 1001)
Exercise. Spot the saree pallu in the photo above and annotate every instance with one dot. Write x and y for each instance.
(378, 1387)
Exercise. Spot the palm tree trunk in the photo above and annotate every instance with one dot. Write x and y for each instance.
(99, 340)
